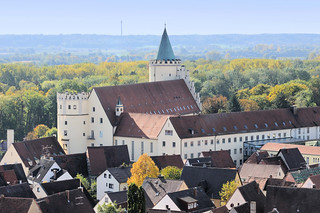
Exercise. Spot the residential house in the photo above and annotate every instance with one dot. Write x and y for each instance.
(156, 188)
(19, 190)
(21, 205)
(292, 158)
(12, 174)
(162, 161)
(69, 201)
(120, 198)
(103, 157)
(257, 156)
(189, 200)
(113, 180)
(300, 176)
(42, 190)
(47, 170)
(220, 159)
(28, 153)
(292, 199)
(210, 179)
(311, 154)
(246, 194)
(312, 182)
(222, 209)
(74, 163)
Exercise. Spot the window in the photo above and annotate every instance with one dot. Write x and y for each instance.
(262, 137)
(217, 141)
(105, 175)
(191, 143)
(199, 153)
(240, 150)
(65, 122)
(93, 109)
(252, 137)
(234, 139)
(229, 140)
(92, 119)
(83, 134)
(191, 156)
(69, 106)
(257, 137)
(199, 143)
(38, 189)
(92, 134)
(132, 150)
(223, 140)
(163, 143)
(84, 122)
(211, 141)
(74, 106)
(173, 144)
(235, 151)
(65, 133)
(110, 186)
(284, 135)
(60, 106)
(142, 147)
(240, 139)
(246, 138)
(101, 144)
(240, 162)
(92, 144)
(101, 120)
(299, 131)
(235, 162)
(308, 130)
(308, 137)
(279, 135)
(185, 144)
(185, 156)
(101, 134)
(168, 132)
(106, 184)
(151, 147)
(205, 142)
(123, 142)
(115, 142)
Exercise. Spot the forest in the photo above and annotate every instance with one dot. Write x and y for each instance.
(28, 91)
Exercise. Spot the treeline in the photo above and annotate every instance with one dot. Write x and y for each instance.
(28, 92)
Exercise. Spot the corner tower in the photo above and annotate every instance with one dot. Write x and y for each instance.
(167, 67)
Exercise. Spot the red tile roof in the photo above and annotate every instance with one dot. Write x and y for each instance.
(305, 150)
(74, 164)
(140, 125)
(315, 180)
(9, 176)
(220, 159)
(163, 97)
(163, 161)
(33, 149)
(14, 205)
(241, 122)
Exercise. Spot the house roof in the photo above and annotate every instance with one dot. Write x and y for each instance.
(315, 180)
(222, 209)
(14, 204)
(256, 157)
(305, 150)
(74, 164)
(18, 190)
(302, 175)
(31, 151)
(204, 161)
(162, 161)
(211, 179)
(69, 201)
(196, 193)
(241, 122)
(259, 171)
(121, 174)
(120, 198)
(277, 182)
(165, 51)
(221, 159)
(140, 125)
(60, 186)
(9, 177)
(39, 171)
(292, 199)
(162, 97)
(292, 158)
(18, 170)
(243, 208)
(157, 188)
(104, 157)
(251, 192)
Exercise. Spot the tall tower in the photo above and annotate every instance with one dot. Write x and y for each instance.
(167, 67)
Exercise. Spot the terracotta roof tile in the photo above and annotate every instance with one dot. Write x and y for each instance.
(163, 97)
(220, 159)
(305, 150)
(14, 205)
(163, 161)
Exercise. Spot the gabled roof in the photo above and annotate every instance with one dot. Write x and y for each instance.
(256, 157)
(241, 122)
(302, 175)
(157, 188)
(277, 182)
(14, 205)
(204, 161)
(165, 51)
(139, 125)
(162, 161)
(222, 209)
(243, 208)
(18, 190)
(292, 199)
(221, 159)
(251, 192)
(18, 170)
(292, 158)
(259, 171)
(39, 171)
(32, 150)
(74, 164)
(197, 193)
(211, 179)
(69, 201)
(104, 157)
(60, 186)
(162, 97)
(305, 150)
(315, 180)
(120, 198)
(121, 174)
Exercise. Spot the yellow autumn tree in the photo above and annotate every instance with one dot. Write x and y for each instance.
(227, 190)
(144, 167)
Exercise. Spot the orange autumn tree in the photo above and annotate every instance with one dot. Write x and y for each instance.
(144, 167)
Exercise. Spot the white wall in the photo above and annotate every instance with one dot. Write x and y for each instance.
(12, 157)
(103, 184)
(166, 200)
(307, 184)
(161, 71)
(166, 141)
(236, 199)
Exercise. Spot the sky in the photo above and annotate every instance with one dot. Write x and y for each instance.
(147, 17)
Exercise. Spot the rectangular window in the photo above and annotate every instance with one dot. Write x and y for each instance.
(191, 143)
(299, 131)
(163, 143)
(92, 134)
(115, 142)
(110, 186)
(92, 144)
(211, 141)
(92, 119)
(185, 156)
(199, 143)
(74, 106)
(101, 120)
(105, 175)
(235, 151)
(168, 132)
(246, 138)
(100, 134)
(185, 144)
(93, 109)
(229, 140)
(123, 142)
(240, 139)
(151, 147)
(308, 130)
(109, 176)
(69, 106)
(284, 135)
(142, 147)
(132, 150)
(235, 162)
(106, 184)
(65, 122)
(279, 135)
(308, 137)
(262, 137)
(83, 134)
(240, 150)
(240, 162)
(205, 142)
(84, 123)
(252, 137)
(173, 144)
(65, 133)
(223, 140)
(60, 106)
(234, 139)
(199, 153)
(191, 156)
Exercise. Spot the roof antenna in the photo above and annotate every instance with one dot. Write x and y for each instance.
(165, 25)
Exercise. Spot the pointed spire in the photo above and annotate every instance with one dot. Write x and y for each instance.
(165, 51)
(119, 101)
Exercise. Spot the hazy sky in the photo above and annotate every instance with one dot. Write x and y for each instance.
(142, 17)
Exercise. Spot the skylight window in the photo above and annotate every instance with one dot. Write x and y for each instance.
(283, 123)
(290, 122)
(202, 130)
(256, 126)
(266, 125)
(275, 123)
(213, 130)
(245, 126)
(235, 127)
(225, 129)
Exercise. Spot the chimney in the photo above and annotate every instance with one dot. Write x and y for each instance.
(293, 109)
(10, 137)
(195, 192)
(168, 209)
(253, 207)
(55, 170)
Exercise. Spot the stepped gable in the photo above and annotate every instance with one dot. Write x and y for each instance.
(162, 97)
(241, 122)
(32, 150)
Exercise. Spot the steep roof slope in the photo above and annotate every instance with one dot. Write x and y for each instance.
(18, 190)
(251, 192)
(163, 161)
(221, 159)
(14, 205)
(162, 97)
(121, 174)
(292, 158)
(165, 51)
(18, 170)
(74, 164)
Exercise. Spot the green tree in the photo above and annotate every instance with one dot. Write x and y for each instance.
(227, 190)
(136, 200)
(110, 208)
(171, 172)
(281, 101)
(214, 104)
(233, 104)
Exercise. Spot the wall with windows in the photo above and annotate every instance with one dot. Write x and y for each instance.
(168, 140)
(107, 183)
(306, 133)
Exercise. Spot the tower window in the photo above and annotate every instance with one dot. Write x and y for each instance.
(65, 133)
(92, 119)
(101, 120)
(74, 106)
(93, 109)
(69, 106)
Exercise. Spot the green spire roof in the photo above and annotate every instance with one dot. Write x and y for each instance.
(165, 51)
